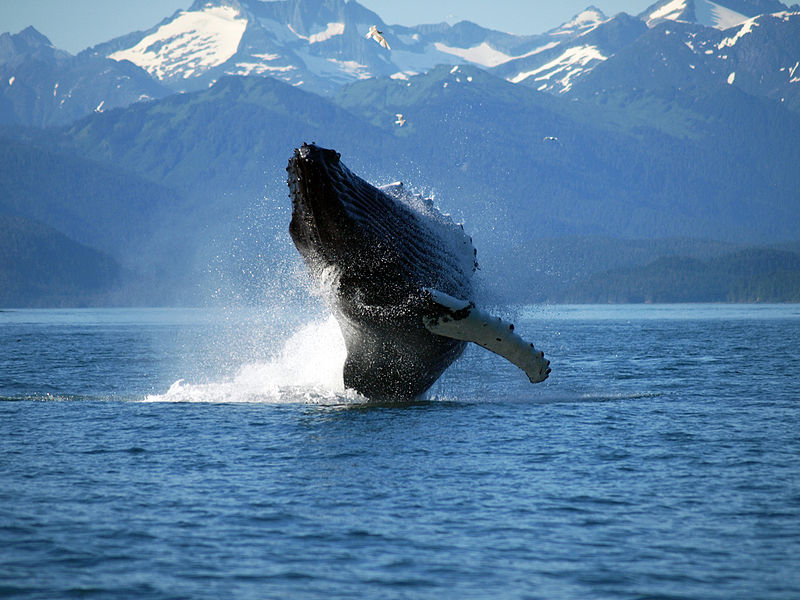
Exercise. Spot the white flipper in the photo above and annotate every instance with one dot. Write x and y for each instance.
(461, 320)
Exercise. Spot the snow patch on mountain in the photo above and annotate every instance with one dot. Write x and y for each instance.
(564, 68)
(261, 67)
(586, 20)
(704, 12)
(353, 68)
(792, 78)
(482, 54)
(339, 71)
(746, 28)
(487, 56)
(715, 15)
(189, 44)
(670, 11)
(247, 68)
(331, 30)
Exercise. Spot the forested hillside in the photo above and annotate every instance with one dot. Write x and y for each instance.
(41, 267)
(752, 275)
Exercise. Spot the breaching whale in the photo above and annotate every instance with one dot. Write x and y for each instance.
(399, 278)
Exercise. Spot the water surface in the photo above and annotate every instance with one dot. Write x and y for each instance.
(205, 454)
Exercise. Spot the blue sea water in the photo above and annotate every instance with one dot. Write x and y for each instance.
(170, 453)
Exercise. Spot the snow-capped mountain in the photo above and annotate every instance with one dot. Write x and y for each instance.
(572, 50)
(558, 65)
(674, 43)
(722, 14)
(42, 85)
(760, 56)
(321, 44)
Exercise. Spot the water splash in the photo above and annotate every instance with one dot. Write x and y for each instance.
(308, 370)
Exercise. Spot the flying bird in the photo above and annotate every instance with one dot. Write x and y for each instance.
(377, 36)
(400, 120)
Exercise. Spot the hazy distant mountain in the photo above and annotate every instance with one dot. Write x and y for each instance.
(499, 154)
(229, 140)
(41, 267)
(583, 167)
(29, 43)
(750, 275)
(41, 85)
(97, 205)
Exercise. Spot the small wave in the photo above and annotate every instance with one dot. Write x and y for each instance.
(572, 397)
(622, 396)
(43, 397)
(308, 370)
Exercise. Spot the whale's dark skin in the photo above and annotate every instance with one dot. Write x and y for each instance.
(380, 255)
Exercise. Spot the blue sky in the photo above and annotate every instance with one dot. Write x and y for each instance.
(77, 24)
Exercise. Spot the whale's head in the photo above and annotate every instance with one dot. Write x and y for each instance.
(323, 227)
(372, 240)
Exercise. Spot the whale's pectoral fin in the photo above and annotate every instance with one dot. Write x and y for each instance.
(460, 319)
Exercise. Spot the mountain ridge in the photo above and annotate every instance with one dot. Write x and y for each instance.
(321, 45)
(44, 86)
(665, 132)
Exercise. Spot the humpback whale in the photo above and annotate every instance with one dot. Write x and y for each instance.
(398, 274)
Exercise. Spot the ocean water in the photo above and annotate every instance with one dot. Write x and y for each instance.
(160, 454)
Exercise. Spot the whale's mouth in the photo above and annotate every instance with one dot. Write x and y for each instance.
(319, 224)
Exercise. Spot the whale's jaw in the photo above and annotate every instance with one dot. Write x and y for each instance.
(319, 227)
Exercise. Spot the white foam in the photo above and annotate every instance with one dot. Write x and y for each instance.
(307, 370)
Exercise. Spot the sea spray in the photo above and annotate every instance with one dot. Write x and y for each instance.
(307, 369)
